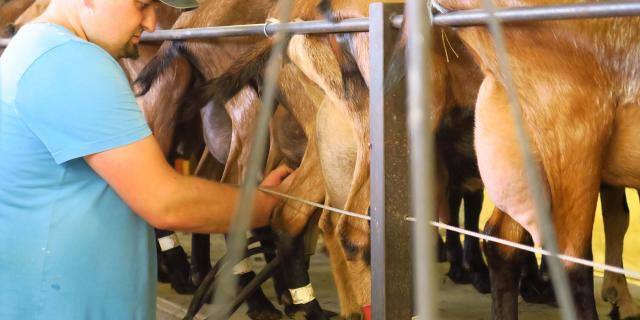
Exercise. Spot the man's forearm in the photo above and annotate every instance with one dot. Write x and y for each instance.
(141, 176)
(202, 206)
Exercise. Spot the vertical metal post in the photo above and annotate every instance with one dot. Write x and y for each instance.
(391, 273)
(421, 143)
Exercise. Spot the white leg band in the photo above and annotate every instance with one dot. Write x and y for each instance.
(168, 242)
(242, 267)
(303, 295)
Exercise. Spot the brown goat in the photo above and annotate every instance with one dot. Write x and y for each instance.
(343, 132)
(32, 12)
(576, 83)
(9, 11)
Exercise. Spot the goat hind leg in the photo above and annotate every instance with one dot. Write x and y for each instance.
(295, 263)
(200, 257)
(290, 221)
(259, 306)
(453, 246)
(504, 264)
(615, 214)
(346, 297)
(472, 255)
(571, 184)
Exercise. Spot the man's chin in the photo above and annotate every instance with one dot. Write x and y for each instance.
(130, 51)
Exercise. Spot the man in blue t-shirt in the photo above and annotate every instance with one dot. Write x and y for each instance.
(77, 159)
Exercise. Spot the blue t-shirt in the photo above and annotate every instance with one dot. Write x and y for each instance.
(70, 248)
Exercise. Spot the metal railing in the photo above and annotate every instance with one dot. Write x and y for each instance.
(384, 213)
(452, 19)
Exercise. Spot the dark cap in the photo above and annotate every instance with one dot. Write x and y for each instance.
(181, 4)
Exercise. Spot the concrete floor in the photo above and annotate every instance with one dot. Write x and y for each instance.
(455, 301)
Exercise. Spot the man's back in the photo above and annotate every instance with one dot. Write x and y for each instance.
(69, 246)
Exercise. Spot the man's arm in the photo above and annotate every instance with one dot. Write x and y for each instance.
(139, 173)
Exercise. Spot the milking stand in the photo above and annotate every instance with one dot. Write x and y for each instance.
(391, 271)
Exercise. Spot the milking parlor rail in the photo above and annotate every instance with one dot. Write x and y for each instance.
(398, 123)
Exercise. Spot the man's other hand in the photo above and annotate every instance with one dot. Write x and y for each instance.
(278, 180)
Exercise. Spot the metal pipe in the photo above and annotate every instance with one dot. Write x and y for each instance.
(535, 13)
(391, 272)
(422, 168)
(266, 29)
(533, 173)
(454, 19)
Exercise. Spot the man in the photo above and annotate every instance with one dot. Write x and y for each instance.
(76, 157)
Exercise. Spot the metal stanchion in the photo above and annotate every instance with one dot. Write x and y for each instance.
(390, 233)
(421, 144)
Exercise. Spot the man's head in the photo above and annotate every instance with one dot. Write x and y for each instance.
(114, 25)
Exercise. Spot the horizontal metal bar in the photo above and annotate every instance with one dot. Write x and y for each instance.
(538, 13)
(267, 29)
(454, 19)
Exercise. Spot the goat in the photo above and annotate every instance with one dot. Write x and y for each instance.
(575, 81)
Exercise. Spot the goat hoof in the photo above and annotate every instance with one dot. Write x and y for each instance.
(173, 267)
(267, 313)
(458, 275)
(481, 282)
(261, 308)
(171, 262)
(184, 289)
(308, 311)
(329, 314)
(616, 314)
(442, 253)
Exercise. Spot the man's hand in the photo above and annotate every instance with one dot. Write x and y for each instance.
(278, 180)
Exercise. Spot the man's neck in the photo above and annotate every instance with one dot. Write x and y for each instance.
(67, 17)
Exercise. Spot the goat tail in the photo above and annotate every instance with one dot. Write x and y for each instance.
(245, 71)
(341, 45)
(159, 64)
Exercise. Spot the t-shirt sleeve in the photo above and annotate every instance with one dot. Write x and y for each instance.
(76, 99)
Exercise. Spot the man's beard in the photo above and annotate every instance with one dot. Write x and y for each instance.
(130, 50)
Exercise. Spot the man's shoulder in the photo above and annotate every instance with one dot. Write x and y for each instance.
(50, 53)
(46, 40)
